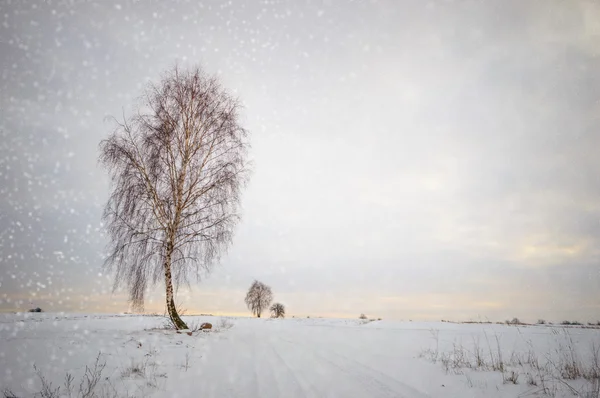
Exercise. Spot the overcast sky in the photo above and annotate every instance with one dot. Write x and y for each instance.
(412, 159)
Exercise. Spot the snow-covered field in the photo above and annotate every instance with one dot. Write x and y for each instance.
(244, 357)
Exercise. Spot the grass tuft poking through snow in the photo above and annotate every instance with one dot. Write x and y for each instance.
(224, 324)
(561, 370)
(90, 385)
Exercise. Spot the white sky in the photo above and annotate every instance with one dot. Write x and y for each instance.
(412, 159)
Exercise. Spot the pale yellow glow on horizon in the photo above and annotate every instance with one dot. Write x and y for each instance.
(425, 307)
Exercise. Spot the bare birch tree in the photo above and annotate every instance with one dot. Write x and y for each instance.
(176, 166)
(277, 310)
(258, 298)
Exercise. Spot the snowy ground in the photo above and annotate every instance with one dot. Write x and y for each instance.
(245, 357)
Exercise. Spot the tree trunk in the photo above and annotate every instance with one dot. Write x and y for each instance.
(171, 309)
(258, 315)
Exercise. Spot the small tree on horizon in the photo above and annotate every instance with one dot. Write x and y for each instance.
(258, 298)
(176, 166)
(277, 310)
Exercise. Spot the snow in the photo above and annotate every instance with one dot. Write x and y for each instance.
(262, 357)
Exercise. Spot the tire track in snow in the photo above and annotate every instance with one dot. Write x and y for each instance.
(380, 376)
(413, 392)
(325, 378)
(253, 365)
(373, 386)
(304, 385)
(374, 381)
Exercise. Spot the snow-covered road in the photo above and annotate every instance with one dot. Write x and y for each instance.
(293, 359)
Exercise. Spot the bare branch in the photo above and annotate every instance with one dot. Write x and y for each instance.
(258, 298)
(277, 310)
(177, 167)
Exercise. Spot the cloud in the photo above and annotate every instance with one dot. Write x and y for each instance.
(440, 154)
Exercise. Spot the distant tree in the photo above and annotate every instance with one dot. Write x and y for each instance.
(258, 298)
(362, 316)
(176, 166)
(277, 310)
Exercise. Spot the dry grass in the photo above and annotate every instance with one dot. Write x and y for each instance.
(562, 370)
(225, 323)
(135, 369)
(94, 384)
(512, 377)
(91, 385)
